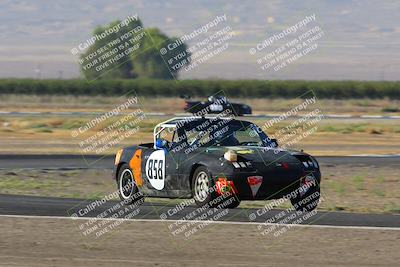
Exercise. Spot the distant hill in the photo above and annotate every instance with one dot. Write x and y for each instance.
(361, 39)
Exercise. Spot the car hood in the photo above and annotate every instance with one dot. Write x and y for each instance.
(258, 154)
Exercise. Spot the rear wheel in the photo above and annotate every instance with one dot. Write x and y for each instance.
(127, 189)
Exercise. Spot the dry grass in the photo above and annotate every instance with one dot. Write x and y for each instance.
(47, 134)
(175, 105)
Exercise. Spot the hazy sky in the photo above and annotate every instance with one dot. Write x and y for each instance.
(361, 38)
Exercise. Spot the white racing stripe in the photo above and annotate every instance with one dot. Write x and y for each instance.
(214, 222)
(338, 116)
(371, 116)
(155, 113)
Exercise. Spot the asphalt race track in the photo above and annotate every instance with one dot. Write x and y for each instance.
(64, 207)
(106, 162)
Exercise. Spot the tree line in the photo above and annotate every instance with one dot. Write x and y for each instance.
(202, 88)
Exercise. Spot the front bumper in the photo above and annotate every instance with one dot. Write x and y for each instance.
(247, 185)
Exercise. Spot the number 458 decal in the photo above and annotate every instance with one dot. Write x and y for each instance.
(155, 169)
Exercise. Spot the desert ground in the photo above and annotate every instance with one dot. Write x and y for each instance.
(58, 242)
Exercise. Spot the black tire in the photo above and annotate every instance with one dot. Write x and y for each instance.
(203, 193)
(127, 189)
(201, 186)
(300, 203)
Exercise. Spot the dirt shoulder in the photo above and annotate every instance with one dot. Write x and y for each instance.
(58, 242)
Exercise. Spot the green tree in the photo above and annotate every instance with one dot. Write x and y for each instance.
(144, 62)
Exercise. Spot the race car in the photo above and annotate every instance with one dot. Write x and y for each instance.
(204, 158)
(216, 105)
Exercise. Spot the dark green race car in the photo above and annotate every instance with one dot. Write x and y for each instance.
(208, 158)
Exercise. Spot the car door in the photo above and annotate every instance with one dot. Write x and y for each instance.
(179, 155)
(161, 167)
(159, 170)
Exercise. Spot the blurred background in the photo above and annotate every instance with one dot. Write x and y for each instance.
(361, 37)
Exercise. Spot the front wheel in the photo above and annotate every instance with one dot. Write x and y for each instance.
(201, 187)
(204, 192)
(307, 201)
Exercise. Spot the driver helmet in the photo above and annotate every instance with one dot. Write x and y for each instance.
(160, 143)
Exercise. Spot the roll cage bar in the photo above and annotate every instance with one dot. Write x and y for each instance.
(172, 123)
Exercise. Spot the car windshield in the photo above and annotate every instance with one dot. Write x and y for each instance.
(225, 133)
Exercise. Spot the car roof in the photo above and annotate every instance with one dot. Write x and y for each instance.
(179, 122)
(183, 121)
